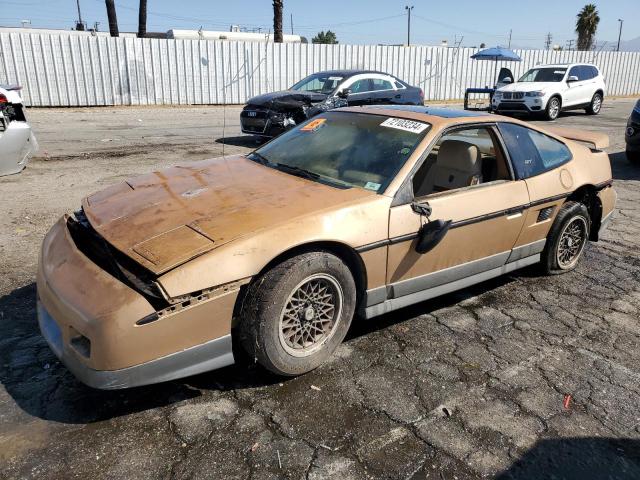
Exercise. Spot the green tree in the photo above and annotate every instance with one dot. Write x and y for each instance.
(325, 37)
(586, 26)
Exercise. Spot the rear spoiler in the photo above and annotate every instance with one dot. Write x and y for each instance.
(595, 140)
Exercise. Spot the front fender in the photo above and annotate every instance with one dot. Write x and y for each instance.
(246, 256)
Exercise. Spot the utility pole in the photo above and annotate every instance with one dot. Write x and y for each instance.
(408, 9)
(510, 32)
(292, 24)
(547, 42)
(569, 44)
(79, 23)
(620, 33)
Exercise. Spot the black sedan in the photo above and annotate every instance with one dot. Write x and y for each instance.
(271, 114)
(632, 135)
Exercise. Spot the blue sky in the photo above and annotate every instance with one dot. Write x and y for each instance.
(356, 21)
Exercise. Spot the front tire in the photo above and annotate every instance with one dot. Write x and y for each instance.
(596, 105)
(552, 111)
(567, 239)
(295, 315)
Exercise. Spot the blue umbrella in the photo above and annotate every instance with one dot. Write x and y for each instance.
(495, 54)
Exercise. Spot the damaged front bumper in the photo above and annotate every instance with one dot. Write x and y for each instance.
(281, 114)
(264, 123)
(92, 322)
(17, 145)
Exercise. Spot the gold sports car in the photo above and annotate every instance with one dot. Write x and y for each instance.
(357, 211)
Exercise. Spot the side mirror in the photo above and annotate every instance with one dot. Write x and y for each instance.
(507, 80)
(344, 93)
(572, 78)
(430, 233)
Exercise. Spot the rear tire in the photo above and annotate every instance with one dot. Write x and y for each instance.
(596, 105)
(295, 315)
(567, 239)
(552, 111)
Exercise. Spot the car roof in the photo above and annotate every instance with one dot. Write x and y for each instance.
(351, 72)
(431, 115)
(563, 65)
(433, 111)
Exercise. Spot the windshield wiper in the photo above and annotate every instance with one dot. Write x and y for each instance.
(256, 157)
(300, 172)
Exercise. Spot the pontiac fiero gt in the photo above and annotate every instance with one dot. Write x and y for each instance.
(357, 211)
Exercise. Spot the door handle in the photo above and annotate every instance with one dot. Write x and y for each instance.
(398, 96)
(514, 213)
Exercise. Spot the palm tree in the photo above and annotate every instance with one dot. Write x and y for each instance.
(586, 26)
(277, 21)
(142, 19)
(113, 19)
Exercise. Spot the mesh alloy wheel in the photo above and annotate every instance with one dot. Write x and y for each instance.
(572, 241)
(310, 315)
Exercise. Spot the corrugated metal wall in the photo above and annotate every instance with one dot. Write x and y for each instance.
(62, 70)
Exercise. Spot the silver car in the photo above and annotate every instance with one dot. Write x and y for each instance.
(17, 141)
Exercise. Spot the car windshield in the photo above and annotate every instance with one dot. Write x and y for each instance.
(345, 149)
(318, 83)
(544, 75)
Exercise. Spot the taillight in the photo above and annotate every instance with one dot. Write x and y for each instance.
(3, 99)
(421, 95)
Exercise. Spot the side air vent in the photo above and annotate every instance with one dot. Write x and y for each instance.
(545, 214)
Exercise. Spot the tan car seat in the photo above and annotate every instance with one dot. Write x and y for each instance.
(459, 164)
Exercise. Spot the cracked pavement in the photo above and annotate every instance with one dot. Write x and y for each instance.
(469, 385)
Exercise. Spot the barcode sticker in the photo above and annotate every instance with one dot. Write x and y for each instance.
(404, 124)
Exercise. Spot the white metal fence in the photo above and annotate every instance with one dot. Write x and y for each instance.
(62, 70)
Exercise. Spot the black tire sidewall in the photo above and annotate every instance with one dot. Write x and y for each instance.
(590, 109)
(274, 288)
(547, 110)
(568, 212)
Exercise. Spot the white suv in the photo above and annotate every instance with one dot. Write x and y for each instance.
(549, 89)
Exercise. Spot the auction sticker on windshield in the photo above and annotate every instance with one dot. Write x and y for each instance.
(313, 125)
(403, 124)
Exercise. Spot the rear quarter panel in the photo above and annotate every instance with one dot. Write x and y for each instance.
(586, 168)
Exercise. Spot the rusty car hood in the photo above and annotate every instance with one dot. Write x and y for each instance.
(168, 217)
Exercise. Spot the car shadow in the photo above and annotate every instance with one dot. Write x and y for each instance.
(577, 459)
(247, 141)
(622, 168)
(43, 387)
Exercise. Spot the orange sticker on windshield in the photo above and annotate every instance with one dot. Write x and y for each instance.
(313, 125)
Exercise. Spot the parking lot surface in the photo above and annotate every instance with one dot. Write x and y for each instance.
(523, 377)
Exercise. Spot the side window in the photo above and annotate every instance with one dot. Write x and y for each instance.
(461, 158)
(585, 72)
(574, 72)
(380, 84)
(360, 86)
(399, 86)
(594, 72)
(531, 152)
